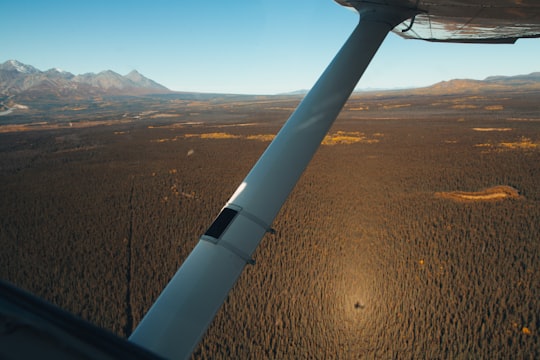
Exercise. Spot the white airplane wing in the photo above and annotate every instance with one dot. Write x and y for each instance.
(466, 21)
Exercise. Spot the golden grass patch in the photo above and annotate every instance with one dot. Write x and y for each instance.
(347, 137)
(358, 108)
(261, 137)
(492, 129)
(162, 140)
(397, 106)
(524, 143)
(494, 107)
(219, 135)
(494, 193)
(169, 126)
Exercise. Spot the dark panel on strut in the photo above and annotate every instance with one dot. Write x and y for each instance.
(221, 223)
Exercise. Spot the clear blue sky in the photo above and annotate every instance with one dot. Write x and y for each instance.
(234, 46)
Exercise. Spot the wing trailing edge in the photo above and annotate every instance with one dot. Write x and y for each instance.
(465, 21)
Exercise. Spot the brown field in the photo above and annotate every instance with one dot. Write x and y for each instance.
(367, 261)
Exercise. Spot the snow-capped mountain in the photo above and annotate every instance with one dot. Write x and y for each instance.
(14, 65)
(17, 78)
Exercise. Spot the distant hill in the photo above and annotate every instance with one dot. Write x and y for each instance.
(518, 80)
(492, 83)
(22, 80)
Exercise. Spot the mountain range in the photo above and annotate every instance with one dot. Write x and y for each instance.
(17, 78)
(19, 81)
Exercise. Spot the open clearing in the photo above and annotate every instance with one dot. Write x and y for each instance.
(491, 194)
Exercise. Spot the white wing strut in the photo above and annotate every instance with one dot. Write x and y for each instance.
(178, 319)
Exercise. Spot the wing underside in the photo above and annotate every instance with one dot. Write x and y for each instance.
(466, 21)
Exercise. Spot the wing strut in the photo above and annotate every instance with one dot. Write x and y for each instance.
(178, 319)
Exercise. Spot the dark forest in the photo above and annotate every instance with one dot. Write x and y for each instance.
(375, 255)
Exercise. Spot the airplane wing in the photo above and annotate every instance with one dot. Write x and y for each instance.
(466, 21)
